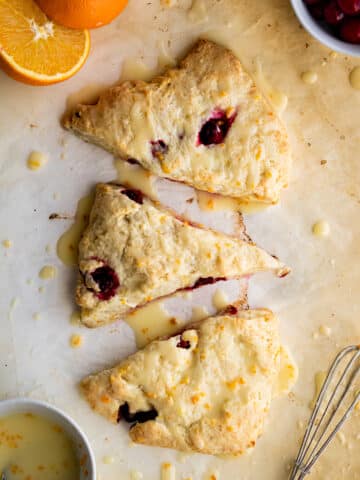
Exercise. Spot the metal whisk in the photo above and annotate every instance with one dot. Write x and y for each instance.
(324, 422)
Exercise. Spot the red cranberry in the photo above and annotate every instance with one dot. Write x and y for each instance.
(158, 148)
(216, 128)
(230, 310)
(333, 13)
(137, 417)
(350, 30)
(212, 132)
(183, 343)
(317, 11)
(350, 7)
(134, 195)
(107, 281)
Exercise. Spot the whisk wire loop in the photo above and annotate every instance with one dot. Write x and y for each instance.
(314, 443)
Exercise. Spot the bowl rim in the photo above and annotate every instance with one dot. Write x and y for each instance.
(12, 404)
(313, 27)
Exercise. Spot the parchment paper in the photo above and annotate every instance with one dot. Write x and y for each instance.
(324, 288)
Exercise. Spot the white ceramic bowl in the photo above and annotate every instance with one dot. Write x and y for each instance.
(320, 33)
(20, 405)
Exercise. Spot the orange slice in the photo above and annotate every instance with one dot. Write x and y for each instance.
(35, 50)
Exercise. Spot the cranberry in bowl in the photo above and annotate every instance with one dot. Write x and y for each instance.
(335, 23)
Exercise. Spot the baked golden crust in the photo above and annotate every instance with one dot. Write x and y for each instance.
(158, 124)
(132, 253)
(211, 395)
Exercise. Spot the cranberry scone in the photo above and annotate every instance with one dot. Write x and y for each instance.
(134, 250)
(203, 123)
(208, 389)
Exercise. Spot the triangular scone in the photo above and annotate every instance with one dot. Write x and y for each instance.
(207, 390)
(203, 123)
(134, 251)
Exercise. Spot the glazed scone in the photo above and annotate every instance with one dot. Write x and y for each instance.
(203, 123)
(134, 251)
(206, 390)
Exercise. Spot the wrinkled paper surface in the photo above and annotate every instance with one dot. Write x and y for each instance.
(324, 288)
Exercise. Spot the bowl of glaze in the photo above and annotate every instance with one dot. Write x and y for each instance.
(321, 32)
(70, 429)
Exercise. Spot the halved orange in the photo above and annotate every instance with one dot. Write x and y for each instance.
(82, 13)
(35, 50)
